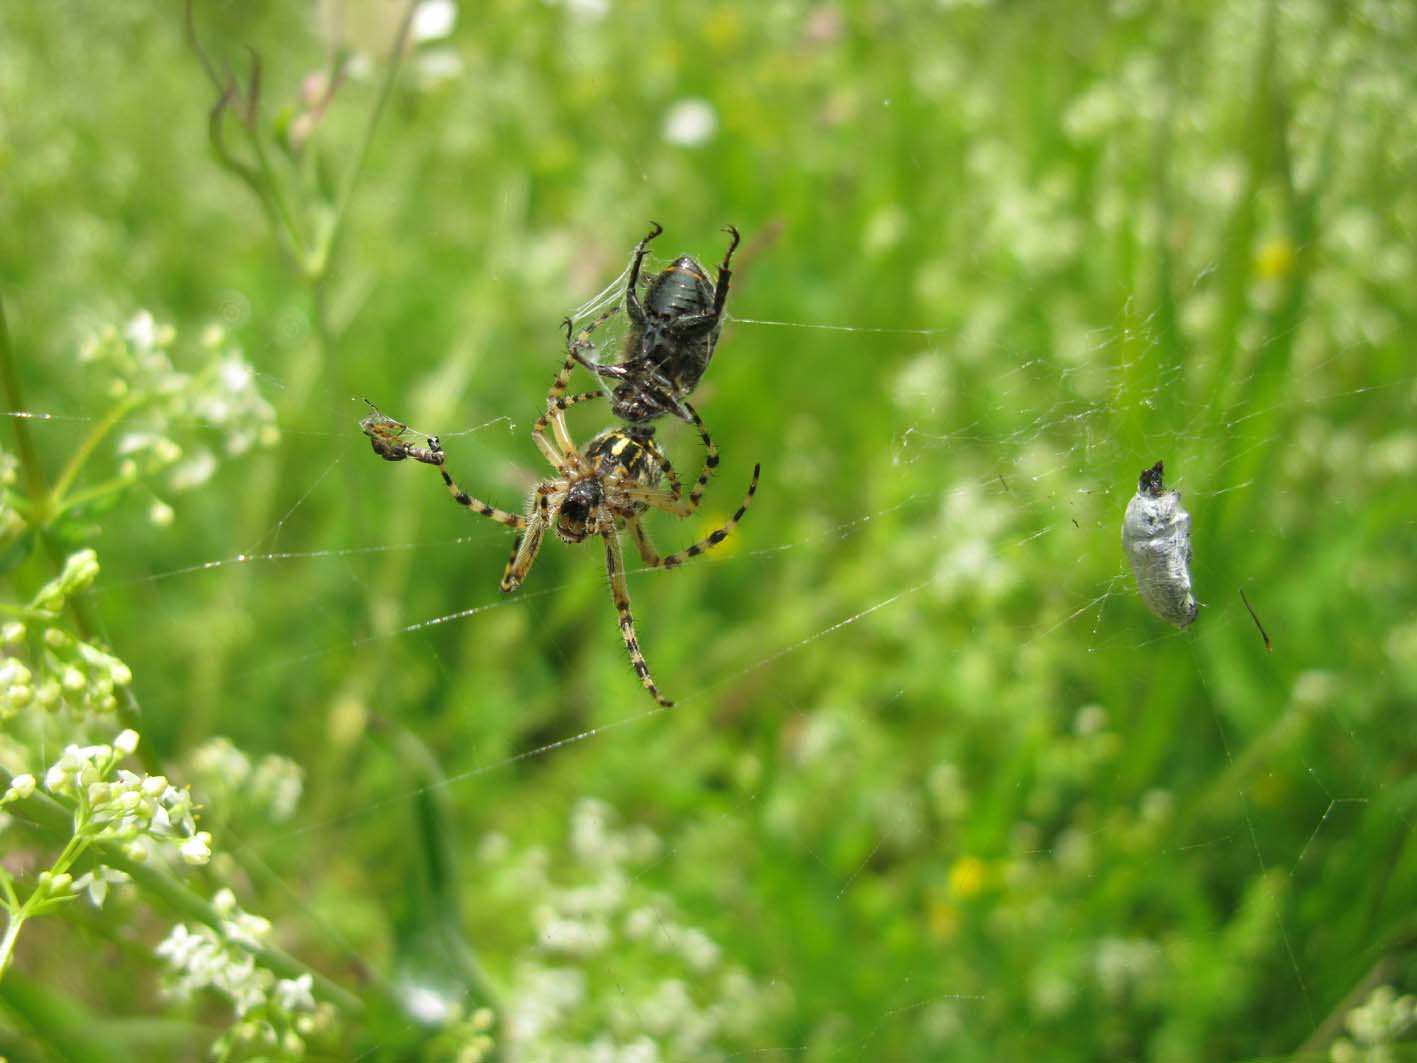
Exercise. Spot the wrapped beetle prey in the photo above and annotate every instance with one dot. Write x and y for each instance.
(1156, 535)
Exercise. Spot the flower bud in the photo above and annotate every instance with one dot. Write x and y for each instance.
(197, 850)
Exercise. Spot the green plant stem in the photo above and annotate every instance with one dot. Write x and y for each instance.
(35, 903)
(83, 452)
(90, 494)
(324, 253)
(39, 515)
(29, 458)
(14, 920)
(287, 217)
(24, 612)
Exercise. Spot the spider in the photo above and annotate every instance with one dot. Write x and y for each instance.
(386, 437)
(672, 335)
(597, 490)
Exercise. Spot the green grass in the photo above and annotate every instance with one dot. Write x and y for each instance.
(938, 785)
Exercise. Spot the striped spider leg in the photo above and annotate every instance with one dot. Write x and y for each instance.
(615, 565)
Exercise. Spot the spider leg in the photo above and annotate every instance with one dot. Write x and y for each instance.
(615, 568)
(462, 498)
(632, 299)
(528, 545)
(713, 539)
(558, 386)
(676, 489)
(670, 500)
(554, 417)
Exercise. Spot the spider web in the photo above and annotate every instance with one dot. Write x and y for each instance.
(1030, 487)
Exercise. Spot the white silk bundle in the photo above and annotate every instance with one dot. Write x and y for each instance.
(1156, 535)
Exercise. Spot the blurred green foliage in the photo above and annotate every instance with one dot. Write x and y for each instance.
(937, 786)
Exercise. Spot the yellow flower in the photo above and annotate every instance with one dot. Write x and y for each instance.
(1275, 258)
(966, 877)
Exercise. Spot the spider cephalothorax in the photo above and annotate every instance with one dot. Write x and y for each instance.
(573, 516)
(673, 333)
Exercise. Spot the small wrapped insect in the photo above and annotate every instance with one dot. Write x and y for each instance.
(1156, 536)
(386, 437)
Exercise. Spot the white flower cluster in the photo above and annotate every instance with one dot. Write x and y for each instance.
(593, 934)
(162, 401)
(70, 671)
(226, 777)
(1373, 1026)
(11, 523)
(278, 1013)
(143, 813)
(462, 1038)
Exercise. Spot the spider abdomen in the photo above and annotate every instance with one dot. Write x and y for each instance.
(617, 448)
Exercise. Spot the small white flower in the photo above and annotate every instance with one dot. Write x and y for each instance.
(698, 949)
(436, 66)
(427, 1004)
(433, 20)
(690, 123)
(160, 514)
(293, 994)
(195, 471)
(588, 9)
(126, 742)
(97, 881)
(141, 331)
(197, 849)
(21, 786)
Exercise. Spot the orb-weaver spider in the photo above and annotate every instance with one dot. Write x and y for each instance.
(597, 490)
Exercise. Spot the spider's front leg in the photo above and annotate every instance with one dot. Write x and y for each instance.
(615, 568)
(528, 545)
(555, 418)
(481, 508)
